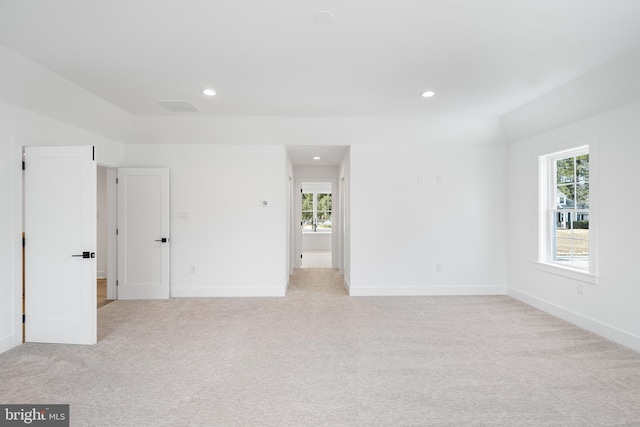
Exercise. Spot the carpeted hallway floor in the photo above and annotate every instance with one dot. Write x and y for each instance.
(318, 357)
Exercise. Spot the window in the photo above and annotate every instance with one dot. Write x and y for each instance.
(565, 210)
(316, 212)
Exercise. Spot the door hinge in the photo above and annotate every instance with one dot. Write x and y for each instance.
(24, 318)
(116, 180)
(24, 165)
(116, 283)
(116, 231)
(23, 241)
(300, 256)
(94, 153)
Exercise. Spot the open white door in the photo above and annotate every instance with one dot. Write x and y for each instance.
(60, 233)
(143, 233)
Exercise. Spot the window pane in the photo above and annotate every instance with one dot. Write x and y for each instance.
(307, 201)
(582, 197)
(581, 221)
(565, 170)
(567, 231)
(582, 168)
(307, 221)
(324, 202)
(565, 196)
(581, 248)
(324, 221)
(563, 251)
(562, 220)
(571, 239)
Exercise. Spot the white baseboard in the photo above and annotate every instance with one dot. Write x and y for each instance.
(361, 291)
(610, 332)
(6, 343)
(227, 292)
(347, 286)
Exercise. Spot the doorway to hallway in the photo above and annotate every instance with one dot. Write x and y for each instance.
(317, 224)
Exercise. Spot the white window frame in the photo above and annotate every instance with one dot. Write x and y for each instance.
(547, 202)
(316, 210)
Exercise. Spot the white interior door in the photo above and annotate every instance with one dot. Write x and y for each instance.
(143, 233)
(60, 233)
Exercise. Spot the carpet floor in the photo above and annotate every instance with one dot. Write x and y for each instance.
(318, 357)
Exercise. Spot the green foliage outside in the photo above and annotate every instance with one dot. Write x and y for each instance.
(581, 225)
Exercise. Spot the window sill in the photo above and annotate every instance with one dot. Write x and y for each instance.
(316, 232)
(570, 273)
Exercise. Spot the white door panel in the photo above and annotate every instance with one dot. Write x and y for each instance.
(60, 225)
(143, 222)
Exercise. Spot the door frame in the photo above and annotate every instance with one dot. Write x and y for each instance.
(297, 218)
(112, 247)
(138, 291)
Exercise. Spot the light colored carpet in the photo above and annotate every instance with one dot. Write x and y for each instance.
(320, 358)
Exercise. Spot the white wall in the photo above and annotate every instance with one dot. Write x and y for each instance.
(238, 247)
(203, 129)
(31, 86)
(606, 87)
(610, 308)
(19, 127)
(403, 223)
(319, 241)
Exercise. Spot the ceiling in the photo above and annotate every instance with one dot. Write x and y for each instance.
(374, 58)
(316, 155)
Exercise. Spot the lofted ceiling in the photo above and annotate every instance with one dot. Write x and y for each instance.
(482, 58)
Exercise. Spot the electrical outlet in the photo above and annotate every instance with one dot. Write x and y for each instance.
(192, 269)
(438, 179)
(580, 288)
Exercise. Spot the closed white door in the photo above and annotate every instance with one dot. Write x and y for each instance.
(60, 233)
(143, 233)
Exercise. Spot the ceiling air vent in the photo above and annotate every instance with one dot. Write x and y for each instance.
(179, 106)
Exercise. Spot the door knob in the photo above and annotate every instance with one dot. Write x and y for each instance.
(163, 240)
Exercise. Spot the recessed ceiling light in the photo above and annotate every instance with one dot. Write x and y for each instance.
(209, 92)
(316, 158)
(323, 16)
(427, 94)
